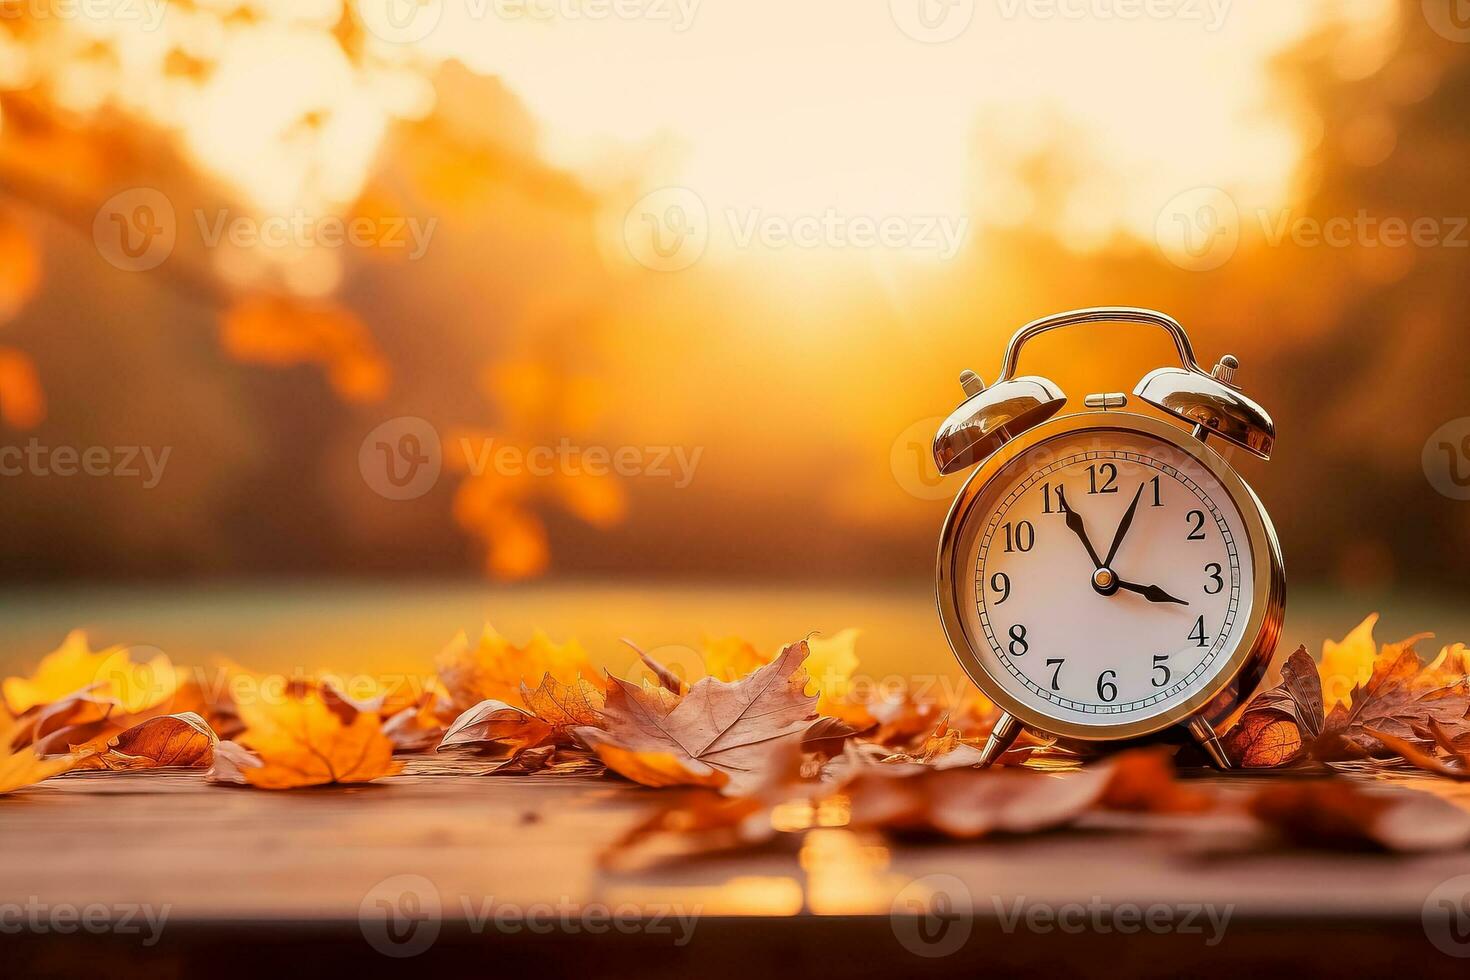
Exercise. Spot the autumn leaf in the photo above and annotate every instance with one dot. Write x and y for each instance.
(494, 669)
(303, 741)
(24, 767)
(230, 762)
(416, 728)
(497, 728)
(168, 741)
(1348, 663)
(1390, 701)
(730, 727)
(565, 706)
(106, 675)
(1279, 724)
(1336, 814)
(1456, 765)
(730, 658)
(969, 803)
(1143, 781)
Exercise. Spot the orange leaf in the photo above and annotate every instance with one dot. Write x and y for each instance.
(302, 741)
(494, 668)
(182, 740)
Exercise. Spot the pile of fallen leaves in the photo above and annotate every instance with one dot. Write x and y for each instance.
(764, 744)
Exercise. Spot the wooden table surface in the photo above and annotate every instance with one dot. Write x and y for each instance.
(256, 881)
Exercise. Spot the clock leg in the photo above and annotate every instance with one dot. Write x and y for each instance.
(1209, 741)
(1002, 736)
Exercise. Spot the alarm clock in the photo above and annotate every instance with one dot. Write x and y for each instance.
(1106, 574)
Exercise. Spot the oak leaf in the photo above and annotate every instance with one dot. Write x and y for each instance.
(303, 741)
(168, 741)
(729, 727)
(1391, 701)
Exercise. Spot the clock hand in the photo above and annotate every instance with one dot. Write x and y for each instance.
(1150, 592)
(1074, 524)
(1123, 527)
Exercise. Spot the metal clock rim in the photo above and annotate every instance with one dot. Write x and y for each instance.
(1247, 661)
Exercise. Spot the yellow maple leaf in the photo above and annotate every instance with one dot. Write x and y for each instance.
(730, 658)
(304, 741)
(1348, 662)
(110, 675)
(831, 667)
(493, 669)
(25, 767)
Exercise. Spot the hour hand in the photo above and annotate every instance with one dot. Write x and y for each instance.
(1074, 524)
(1150, 592)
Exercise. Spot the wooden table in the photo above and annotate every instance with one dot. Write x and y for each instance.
(267, 883)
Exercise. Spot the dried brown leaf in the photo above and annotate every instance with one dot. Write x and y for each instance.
(732, 727)
(496, 728)
(169, 741)
(1339, 815)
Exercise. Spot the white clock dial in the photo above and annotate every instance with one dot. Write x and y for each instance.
(1112, 577)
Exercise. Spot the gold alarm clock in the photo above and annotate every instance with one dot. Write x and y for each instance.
(1104, 574)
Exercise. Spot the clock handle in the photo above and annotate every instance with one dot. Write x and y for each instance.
(1002, 737)
(1204, 733)
(1099, 314)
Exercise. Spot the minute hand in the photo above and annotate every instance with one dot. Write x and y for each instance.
(1123, 526)
(1150, 592)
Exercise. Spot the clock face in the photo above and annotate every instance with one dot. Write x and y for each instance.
(1112, 577)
